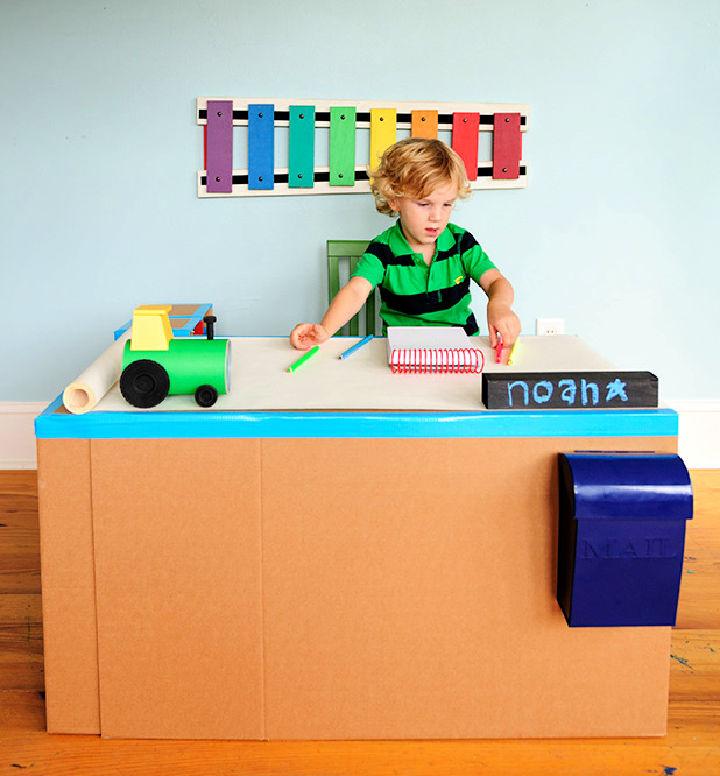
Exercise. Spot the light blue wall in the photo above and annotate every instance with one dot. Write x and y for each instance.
(616, 232)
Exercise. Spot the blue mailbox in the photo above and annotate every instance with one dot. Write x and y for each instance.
(621, 537)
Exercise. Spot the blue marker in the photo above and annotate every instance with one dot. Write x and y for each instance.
(356, 346)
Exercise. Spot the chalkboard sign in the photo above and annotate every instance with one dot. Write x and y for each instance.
(569, 390)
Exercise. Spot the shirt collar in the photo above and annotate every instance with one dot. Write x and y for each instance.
(400, 246)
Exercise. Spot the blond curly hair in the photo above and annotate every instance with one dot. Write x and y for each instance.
(415, 167)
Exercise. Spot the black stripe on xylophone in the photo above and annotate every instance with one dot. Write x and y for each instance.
(444, 119)
(280, 177)
(324, 177)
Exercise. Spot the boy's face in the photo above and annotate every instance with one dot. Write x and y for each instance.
(423, 219)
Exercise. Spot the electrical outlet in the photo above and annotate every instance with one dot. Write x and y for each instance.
(549, 327)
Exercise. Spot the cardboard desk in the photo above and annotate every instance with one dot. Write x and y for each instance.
(330, 572)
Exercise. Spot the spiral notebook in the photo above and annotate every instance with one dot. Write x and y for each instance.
(432, 349)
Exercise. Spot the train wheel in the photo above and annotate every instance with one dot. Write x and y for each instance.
(206, 396)
(144, 383)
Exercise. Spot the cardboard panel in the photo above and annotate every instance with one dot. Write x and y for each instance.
(409, 591)
(68, 586)
(177, 538)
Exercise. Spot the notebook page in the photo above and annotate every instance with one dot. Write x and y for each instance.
(430, 337)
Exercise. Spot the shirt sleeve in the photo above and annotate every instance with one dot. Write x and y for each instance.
(370, 268)
(474, 258)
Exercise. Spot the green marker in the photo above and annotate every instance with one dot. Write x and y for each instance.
(303, 358)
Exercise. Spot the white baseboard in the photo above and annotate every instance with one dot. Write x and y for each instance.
(699, 432)
(699, 439)
(17, 433)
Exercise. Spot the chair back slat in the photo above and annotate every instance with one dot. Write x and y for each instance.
(346, 254)
(333, 277)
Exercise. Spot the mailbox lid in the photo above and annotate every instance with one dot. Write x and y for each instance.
(621, 486)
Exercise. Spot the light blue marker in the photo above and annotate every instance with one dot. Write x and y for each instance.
(356, 346)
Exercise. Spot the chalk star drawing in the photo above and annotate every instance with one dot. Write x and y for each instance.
(616, 388)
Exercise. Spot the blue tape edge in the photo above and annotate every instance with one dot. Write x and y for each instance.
(210, 424)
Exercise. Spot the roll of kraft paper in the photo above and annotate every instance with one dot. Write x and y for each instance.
(85, 391)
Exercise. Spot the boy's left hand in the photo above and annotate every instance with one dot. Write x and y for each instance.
(503, 321)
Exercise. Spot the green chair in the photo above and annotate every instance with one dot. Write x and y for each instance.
(345, 254)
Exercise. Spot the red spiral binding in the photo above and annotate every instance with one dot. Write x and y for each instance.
(420, 361)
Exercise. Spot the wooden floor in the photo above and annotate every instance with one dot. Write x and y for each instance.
(692, 745)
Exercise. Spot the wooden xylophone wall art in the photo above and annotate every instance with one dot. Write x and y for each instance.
(462, 122)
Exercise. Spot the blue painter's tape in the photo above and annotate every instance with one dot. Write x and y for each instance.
(119, 332)
(193, 320)
(335, 425)
(52, 407)
(261, 147)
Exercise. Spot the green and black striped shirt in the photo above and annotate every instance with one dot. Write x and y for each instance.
(414, 293)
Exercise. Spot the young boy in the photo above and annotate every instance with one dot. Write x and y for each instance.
(423, 264)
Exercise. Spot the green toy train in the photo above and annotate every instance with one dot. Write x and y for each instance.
(155, 364)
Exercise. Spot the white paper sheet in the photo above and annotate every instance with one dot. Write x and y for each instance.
(260, 380)
(416, 337)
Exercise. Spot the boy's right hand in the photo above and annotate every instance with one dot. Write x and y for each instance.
(306, 335)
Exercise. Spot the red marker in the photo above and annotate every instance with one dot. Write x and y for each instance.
(498, 351)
